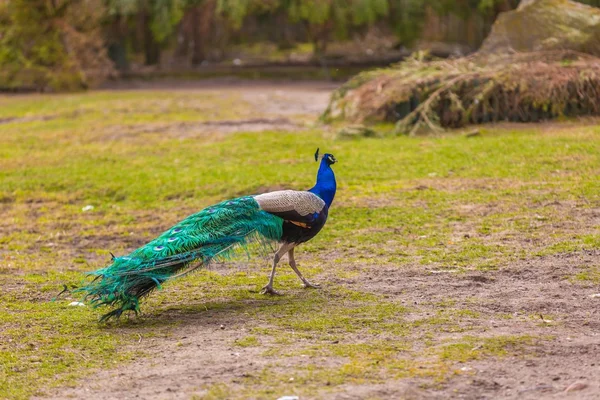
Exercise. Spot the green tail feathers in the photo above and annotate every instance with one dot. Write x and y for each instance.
(206, 236)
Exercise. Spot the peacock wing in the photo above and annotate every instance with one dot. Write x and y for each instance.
(291, 205)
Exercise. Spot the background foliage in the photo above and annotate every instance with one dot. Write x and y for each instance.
(51, 44)
(71, 44)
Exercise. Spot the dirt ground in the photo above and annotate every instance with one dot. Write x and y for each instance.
(199, 351)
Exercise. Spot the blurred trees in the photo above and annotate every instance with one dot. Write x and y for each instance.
(51, 44)
(193, 29)
(148, 22)
(63, 43)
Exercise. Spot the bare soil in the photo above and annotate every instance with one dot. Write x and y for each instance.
(537, 294)
(527, 289)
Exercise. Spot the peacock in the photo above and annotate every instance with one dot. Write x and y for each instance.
(289, 217)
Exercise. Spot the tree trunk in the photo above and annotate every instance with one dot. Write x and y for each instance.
(198, 51)
(116, 42)
(183, 38)
(319, 35)
(202, 25)
(151, 48)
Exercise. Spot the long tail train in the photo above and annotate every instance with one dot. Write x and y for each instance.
(209, 235)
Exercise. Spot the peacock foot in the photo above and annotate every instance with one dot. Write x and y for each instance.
(308, 285)
(269, 290)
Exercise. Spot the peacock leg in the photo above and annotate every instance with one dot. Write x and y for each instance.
(306, 283)
(268, 288)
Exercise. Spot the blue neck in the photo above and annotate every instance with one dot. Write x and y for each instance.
(325, 186)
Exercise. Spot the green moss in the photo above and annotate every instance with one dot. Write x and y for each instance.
(248, 341)
(590, 274)
(214, 392)
(473, 348)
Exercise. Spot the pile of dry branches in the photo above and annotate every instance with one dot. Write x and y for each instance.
(431, 95)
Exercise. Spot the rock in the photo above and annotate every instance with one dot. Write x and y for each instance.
(545, 25)
(575, 386)
(525, 3)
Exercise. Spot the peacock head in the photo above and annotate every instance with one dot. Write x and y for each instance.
(327, 158)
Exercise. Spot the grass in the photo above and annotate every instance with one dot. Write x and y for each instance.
(589, 275)
(248, 341)
(473, 348)
(442, 203)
